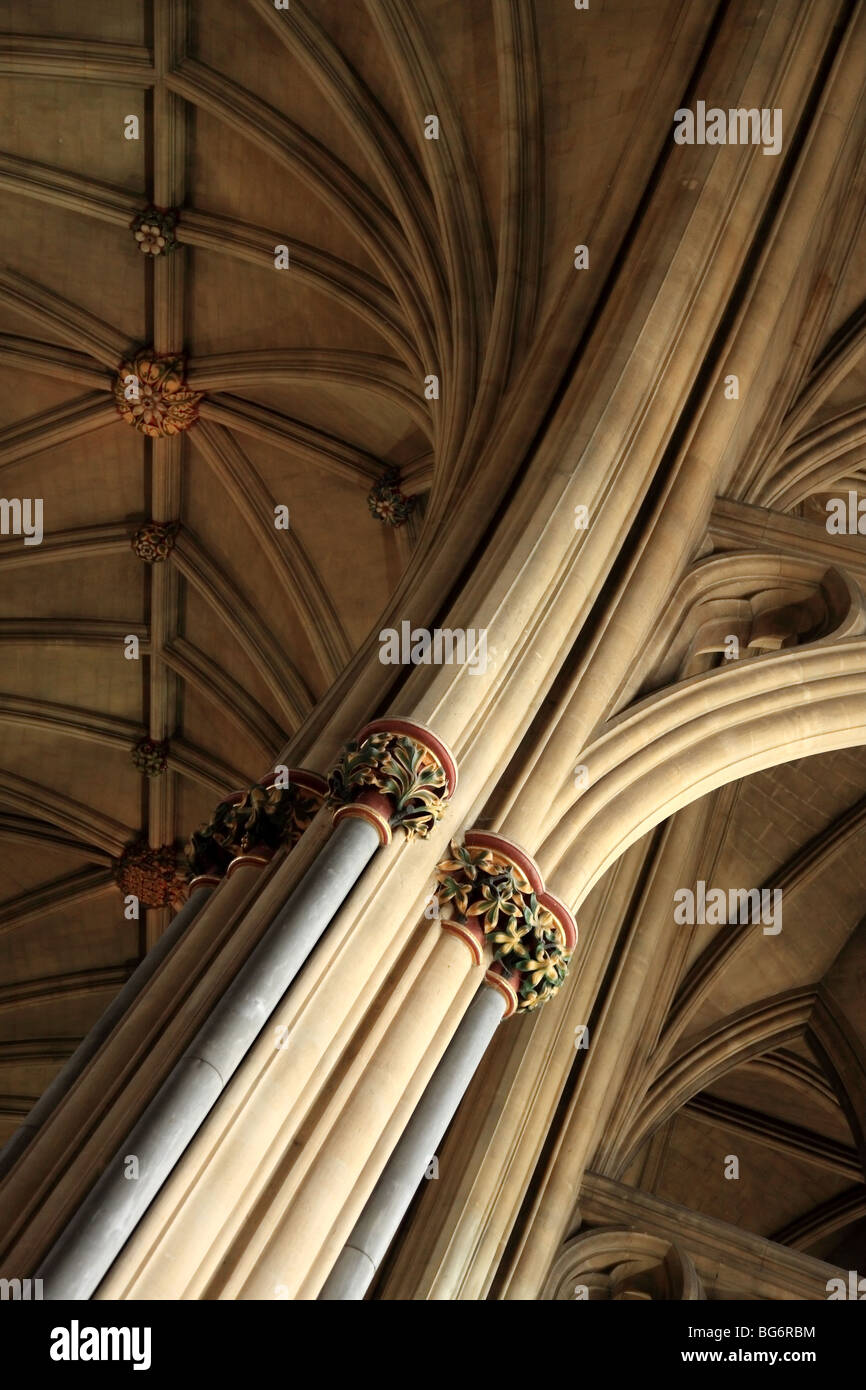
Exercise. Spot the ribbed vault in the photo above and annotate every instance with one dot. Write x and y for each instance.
(352, 299)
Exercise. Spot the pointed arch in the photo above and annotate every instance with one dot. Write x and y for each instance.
(687, 740)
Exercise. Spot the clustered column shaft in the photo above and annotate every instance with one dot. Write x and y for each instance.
(394, 774)
(491, 881)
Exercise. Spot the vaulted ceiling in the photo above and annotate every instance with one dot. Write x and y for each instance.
(407, 257)
(762, 1054)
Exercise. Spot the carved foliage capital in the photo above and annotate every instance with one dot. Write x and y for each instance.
(266, 816)
(482, 887)
(414, 778)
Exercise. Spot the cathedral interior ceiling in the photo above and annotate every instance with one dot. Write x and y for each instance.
(323, 268)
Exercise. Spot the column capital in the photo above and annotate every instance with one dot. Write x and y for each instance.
(396, 775)
(495, 897)
(255, 823)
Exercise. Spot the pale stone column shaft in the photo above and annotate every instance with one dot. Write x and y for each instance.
(389, 1202)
